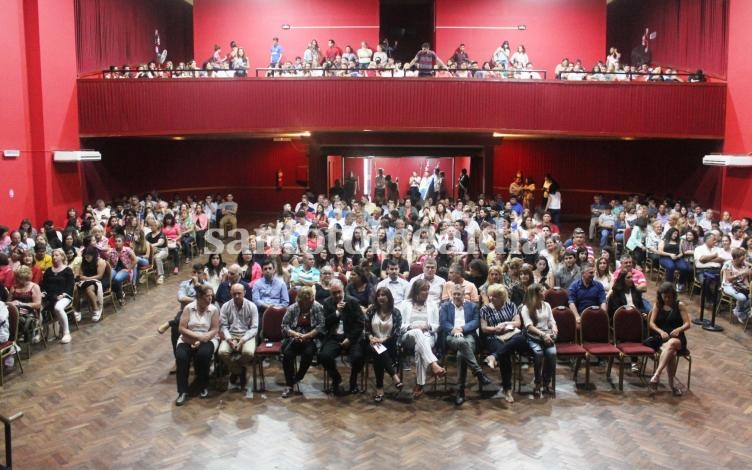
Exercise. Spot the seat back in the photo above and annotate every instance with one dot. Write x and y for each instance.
(594, 325)
(556, 297)
(566, 323)
(271, 325)
(627, 325)
(292, 294)
(12, 323)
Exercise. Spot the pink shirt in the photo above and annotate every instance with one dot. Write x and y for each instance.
(638, 278)
(171, 233)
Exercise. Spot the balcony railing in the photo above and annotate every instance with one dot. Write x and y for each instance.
(109, 107)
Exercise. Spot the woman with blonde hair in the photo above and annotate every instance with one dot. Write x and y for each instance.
(500, 323)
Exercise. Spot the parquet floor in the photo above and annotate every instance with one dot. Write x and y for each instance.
(106, 401)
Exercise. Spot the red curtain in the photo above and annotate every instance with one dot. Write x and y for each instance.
(690, 34)
(200, 106)
(612, 167)
(117, 32)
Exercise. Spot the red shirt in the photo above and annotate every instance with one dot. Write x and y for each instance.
(332, 52)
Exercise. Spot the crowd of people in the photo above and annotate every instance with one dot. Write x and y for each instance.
(380, 277)
(379, 61)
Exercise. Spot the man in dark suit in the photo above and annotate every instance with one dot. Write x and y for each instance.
(343, 322)
(459, 320)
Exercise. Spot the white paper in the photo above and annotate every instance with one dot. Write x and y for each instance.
(379, 348)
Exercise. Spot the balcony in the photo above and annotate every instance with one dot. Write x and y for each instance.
(233, 106)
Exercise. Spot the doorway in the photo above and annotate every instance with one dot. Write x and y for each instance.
(408, 22)
(365, 168)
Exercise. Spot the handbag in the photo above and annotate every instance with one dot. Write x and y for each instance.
(504, 337)
(653, 342)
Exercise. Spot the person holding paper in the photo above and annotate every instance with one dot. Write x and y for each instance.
(383, 324)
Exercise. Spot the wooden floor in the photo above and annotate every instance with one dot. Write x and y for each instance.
(106, 401)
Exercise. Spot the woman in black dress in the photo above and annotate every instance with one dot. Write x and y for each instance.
(668, 321)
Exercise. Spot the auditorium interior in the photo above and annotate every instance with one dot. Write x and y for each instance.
(73, 132)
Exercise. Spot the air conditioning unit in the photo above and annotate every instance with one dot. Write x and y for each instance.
(727, 160)
(76, 156)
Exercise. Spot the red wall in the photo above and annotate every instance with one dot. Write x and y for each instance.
(244, 167)
(117, 32)
(38, 98)
(737, 185)
(14, 131)
(51, 46)
(253, 24)
(555, 29)
(583, 168)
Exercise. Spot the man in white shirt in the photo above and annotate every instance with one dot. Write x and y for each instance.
(429, 275)
(707, 258)
(396, 285)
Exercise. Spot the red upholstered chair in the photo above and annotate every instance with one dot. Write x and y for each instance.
(416, 269)
(292, 294)
(566, 342)
(9, 348)
(594, 332)
(628, 338)
(557, 297)
(270, 342)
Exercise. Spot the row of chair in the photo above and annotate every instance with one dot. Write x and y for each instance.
(597, 337)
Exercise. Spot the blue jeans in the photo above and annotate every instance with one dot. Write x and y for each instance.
(141, 262)
(605, 232)
(118, 277)
(186, 241)
(742, 301)
(672, 265)
(544, 356)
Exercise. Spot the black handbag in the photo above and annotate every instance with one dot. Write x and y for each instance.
(653, 342)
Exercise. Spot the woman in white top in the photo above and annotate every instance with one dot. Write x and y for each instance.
(380, 56)
(736, 276)
(539, 322)
(199, 325)
(725, 249)
(603, 274)
(420, 323)
(520, 57)
(215, 271)
(383, 324)
(364, 55)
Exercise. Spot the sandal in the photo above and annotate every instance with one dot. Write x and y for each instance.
(399, 386)
(676, 391)
(537, 391)
(417, 392)
(653, 386)
(378, 398)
